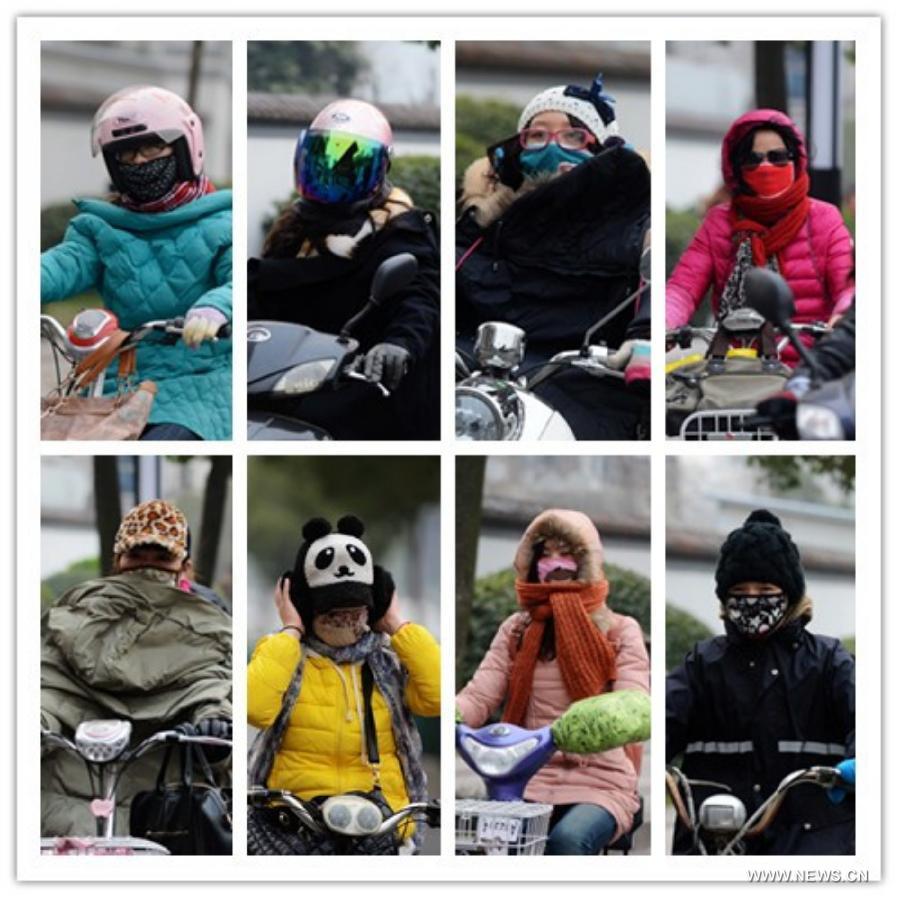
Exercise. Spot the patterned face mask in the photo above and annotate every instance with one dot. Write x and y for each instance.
(150, 180)
(755, 615)
(341, 627)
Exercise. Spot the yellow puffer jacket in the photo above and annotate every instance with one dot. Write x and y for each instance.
(323, 752)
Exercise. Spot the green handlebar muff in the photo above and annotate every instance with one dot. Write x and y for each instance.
(602, 723)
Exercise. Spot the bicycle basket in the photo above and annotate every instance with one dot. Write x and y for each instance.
(502, 827)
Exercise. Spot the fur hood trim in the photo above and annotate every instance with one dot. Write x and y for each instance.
(487, 195)
(573, 528)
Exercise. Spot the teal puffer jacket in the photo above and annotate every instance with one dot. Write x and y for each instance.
(157, 266)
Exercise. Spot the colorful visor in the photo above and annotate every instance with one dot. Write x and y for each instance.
(335, 167)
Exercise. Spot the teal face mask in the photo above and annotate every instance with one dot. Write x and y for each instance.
(547, 160)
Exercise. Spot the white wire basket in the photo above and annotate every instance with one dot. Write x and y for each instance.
(724, 425)
(502, 827)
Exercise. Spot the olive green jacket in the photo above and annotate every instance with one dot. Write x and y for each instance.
(125, 647)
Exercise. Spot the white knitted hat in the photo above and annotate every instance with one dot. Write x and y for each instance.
(585, 104)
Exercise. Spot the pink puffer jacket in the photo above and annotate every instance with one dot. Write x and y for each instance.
(608, 779)
(817, 264)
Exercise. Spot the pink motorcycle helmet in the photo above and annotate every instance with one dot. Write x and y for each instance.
(132, 115)
(344, 155)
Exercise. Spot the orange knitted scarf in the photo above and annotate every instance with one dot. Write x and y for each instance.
(586, 658)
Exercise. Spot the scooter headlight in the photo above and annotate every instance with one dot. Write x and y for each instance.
(478, 417)
(497, 761)
(351, 815)
(818, 423)
(305, 378)
(722, 814)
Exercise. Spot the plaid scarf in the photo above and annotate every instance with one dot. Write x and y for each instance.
(182, 193)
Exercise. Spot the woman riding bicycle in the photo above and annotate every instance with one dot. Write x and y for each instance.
(344, 648)
(322, 252)
(553, 222)
(564, 645)
(159, 249)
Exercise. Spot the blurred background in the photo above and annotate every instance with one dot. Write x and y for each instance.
(77, 76)
(496, 499)
(496, 79)
(710, 83)
(83, 500)
(288, 82)
(398, 500)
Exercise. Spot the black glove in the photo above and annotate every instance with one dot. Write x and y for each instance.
(386, 363)
(781, 409)
(504, 159)
(217, 728)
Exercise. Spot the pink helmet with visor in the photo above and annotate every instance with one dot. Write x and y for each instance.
(132, 115)
(344, 155)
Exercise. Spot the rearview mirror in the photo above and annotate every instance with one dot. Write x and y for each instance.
(645, 265)
(770, 295)
(392, 276)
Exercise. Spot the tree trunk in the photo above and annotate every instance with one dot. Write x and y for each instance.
(212, 518)
(107, 507)
(771, 81)
(469, 490)
(194, 74)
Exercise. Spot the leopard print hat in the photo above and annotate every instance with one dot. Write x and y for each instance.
(155, 522)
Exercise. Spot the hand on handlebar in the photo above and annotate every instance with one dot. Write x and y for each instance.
(202, 324)
(847, 768)
(634, 358)
(386, 363)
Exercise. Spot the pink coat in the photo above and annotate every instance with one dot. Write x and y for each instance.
(608, 779)
(817, 264)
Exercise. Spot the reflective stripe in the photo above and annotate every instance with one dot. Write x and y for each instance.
(720, 747)
(812, 747)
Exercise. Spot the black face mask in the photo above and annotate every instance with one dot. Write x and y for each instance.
(150, 180)
(755, 615)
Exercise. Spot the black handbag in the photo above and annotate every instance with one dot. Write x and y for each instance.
(189, 817)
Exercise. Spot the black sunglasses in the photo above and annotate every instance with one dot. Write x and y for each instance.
(776, 157)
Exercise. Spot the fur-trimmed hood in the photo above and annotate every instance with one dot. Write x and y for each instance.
(572, 527)
(486, 195)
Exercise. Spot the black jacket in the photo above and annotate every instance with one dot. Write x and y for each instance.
(747, 713)
(560, 256)
(323, 292)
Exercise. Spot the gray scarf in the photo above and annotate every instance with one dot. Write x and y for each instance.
(390, 678)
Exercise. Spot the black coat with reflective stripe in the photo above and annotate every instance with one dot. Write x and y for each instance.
(747, 713)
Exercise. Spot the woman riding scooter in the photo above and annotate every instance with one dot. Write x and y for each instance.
(321, 254)
(550, 237)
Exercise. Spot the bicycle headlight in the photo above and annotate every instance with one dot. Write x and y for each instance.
(488, 410)
(351, 815)
(497, 761)
(102, 740)
(818, 423)
(722, 814)
(305, 378)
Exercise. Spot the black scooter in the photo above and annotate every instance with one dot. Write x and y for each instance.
(293, 370)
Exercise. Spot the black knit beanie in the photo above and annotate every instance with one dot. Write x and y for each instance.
(761, 550)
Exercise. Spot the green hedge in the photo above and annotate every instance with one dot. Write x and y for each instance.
(495, 599)
(480, 123)
(58, 583)
(682, 631)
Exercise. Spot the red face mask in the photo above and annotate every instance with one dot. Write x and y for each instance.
(769, 181)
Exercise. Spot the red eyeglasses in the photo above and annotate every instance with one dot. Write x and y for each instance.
(754, 160)
(567, 138)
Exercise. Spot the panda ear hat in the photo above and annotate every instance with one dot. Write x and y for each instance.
(333, 569)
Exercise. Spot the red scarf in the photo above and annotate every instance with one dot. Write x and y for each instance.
(183, 192)
(586, 658)
(771, 223)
